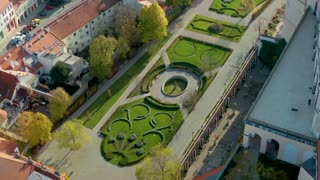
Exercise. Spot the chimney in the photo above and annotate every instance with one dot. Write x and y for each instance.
(48, 29)
(9, 54)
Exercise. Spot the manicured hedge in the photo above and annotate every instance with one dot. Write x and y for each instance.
(159, 104)
(187, 66)
(260, 10)
(147, 80)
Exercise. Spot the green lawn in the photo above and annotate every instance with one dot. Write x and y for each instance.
(231, 32)
(232, 7)
(175, 87)
(97, 109)
(139, 114)
(195, 53)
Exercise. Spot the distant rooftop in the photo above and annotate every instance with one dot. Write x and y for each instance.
(290, 85)
(79, 16)
(68, 58)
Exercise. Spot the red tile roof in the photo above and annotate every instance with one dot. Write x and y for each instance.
(79, 16)
(15, 56)
(8, 84)
(4, 4)
(7, 146)
(209, 173)
(46, 42)
(19, 167)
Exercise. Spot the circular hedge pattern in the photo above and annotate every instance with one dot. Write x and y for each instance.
(175, 86)
(188, 49)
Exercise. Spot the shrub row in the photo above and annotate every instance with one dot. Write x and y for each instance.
(184, 65)
(161, 105)
(81, 100)
(146, 82)
(260, 10)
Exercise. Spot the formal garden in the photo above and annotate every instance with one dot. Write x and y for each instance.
(234, 8)
(217, 28)
(199, 55)
(138, 126)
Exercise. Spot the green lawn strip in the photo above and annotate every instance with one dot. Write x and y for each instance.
(190, 51)
(149, 76)
(106, 100)
(232, 8)
(231, 32)
(139, 127)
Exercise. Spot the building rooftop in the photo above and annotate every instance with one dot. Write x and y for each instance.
(68, 59)
(46, 42)
(76, 18)
(13, 60)
(8, 84)
(290, 85)
(4, 4)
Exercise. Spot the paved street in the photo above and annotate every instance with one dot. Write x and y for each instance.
(51, 15)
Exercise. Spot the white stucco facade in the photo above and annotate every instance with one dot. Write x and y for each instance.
(24, 9)
(7, 20)
(82, 37)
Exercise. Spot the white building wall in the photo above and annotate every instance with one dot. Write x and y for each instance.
(47, 64)
(303, 175)
(82, 37)
(25, 9)
(304, 151)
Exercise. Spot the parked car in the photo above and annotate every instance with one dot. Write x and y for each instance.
(14, 42)
(35, 21)
(42, 13)
(49, 7)
(29, 27)
(24, 31)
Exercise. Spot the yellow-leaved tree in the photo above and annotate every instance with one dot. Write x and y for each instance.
(35, 127)
(159, 165)
(59, 102)
(72, 135)
(153, 23)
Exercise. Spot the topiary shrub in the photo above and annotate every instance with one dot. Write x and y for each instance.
(123, 161)
(139, 144)
(109, 155)
(112, 139)
(215, 28)
(140, 152)
(121, 136)
(132, 137)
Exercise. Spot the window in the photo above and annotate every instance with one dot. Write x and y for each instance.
(88, 40)
(104, 14)
(92, 28)
(92, 22)
(80, 30)
(86, 26)
(82, 44)
(75, 43)
(87, 32)
(74, 34)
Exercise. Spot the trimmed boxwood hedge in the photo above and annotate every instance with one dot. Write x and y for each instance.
(184, 65)
(159, 104)
(147, 80)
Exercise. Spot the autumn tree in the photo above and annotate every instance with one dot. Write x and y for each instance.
(101, 52)
(35, 127)
(59, 102)
(72, 135)
(159, 165)
(59, 73)
(122, 48)
(126, 25)
(153, 23)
